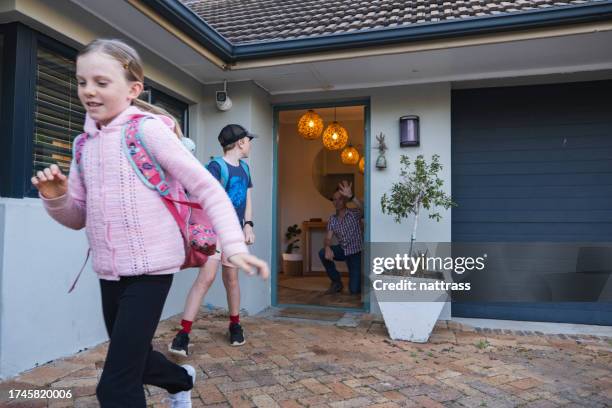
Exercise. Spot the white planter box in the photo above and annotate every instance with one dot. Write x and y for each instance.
(292, 257)
(293, 265)
(410, 320)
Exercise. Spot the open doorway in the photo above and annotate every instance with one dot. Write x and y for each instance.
(309, 174)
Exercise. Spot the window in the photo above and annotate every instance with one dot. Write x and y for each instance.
(173, 106)
(58, 113)
(1, 64)
(41, 113)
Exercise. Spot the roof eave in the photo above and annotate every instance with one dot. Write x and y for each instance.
(194, 26)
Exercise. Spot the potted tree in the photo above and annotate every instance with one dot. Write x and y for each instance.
(413, 316)
(292, 263)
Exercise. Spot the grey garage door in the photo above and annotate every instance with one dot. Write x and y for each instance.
(533, 164)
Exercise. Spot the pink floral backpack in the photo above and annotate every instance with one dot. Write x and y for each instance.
(198, 235)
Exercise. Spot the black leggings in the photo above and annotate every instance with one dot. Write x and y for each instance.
(132, 308)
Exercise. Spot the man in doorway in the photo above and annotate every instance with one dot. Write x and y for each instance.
(345, 224)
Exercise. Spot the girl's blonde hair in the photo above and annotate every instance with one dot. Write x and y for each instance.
(132, 65)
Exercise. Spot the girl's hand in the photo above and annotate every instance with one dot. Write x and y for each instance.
(51, 182)
(247, 262)
(249, 235)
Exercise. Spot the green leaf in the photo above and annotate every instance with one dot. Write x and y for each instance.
(419, 187)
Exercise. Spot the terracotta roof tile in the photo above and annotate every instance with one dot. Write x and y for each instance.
(245, 21)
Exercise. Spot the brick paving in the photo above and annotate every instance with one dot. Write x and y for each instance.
(308, 364)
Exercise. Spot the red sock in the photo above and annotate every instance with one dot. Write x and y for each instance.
(234, 319)
(186, 326)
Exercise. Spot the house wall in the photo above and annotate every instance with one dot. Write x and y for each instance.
(431, 102)
(252, 110)
(39, 320)
(40, 258)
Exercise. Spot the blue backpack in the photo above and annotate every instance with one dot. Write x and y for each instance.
(225, 170)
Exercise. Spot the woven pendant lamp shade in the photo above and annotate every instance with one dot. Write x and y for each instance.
(310, 125)
(335, 136)
(350, 155)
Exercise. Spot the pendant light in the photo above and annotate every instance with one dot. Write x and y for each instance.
(349, 155)
(310, 125)
(335, 136)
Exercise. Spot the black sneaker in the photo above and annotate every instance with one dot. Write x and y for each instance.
(236, 334)
(180, 344)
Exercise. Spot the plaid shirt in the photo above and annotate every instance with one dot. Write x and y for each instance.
(348, 231)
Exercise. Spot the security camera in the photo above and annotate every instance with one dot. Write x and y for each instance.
(224, 103)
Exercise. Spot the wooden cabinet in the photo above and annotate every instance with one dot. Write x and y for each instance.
(307, 228)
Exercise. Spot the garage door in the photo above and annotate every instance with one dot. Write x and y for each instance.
(533, 164)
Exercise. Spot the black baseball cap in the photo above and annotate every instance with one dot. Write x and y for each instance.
(233, 133)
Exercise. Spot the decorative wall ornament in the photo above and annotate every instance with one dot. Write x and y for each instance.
(381, 161)
(362, 165)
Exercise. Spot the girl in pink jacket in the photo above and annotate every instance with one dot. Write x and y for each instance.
(135, 242)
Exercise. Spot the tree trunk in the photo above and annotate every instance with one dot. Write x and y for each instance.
(414, 227)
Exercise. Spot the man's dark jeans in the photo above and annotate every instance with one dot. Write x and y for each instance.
(353, 262)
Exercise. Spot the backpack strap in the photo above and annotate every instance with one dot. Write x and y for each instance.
(224, 171)
(245, 167)
(144, 164)
(80, 272)
(148, 169)
(77, 151)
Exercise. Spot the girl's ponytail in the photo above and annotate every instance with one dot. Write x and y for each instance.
(130, 61)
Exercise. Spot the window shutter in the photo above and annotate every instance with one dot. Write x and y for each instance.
(173, 106)
(59, 115)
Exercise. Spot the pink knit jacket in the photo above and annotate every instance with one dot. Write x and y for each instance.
(130, 231)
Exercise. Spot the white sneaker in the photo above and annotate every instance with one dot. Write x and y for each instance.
(183, 399)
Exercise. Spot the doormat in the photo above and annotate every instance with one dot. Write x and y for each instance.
(310, 314)
(309, 283)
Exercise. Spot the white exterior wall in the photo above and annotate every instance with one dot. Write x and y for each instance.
(40, 320)
(252, 110)
(432, 104)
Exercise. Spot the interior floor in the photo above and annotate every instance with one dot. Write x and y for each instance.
(310, 290)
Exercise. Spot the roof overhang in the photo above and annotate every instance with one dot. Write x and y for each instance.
(564, 51)
(182, 17)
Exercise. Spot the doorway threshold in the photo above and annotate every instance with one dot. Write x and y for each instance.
(329, 316)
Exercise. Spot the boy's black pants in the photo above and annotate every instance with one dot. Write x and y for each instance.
(132, 308)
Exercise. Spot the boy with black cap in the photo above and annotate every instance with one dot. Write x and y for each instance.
(234, 175)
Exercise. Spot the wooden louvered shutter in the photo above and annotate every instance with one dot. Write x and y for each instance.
(59, 115)
(173, 106)
(178, 109)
